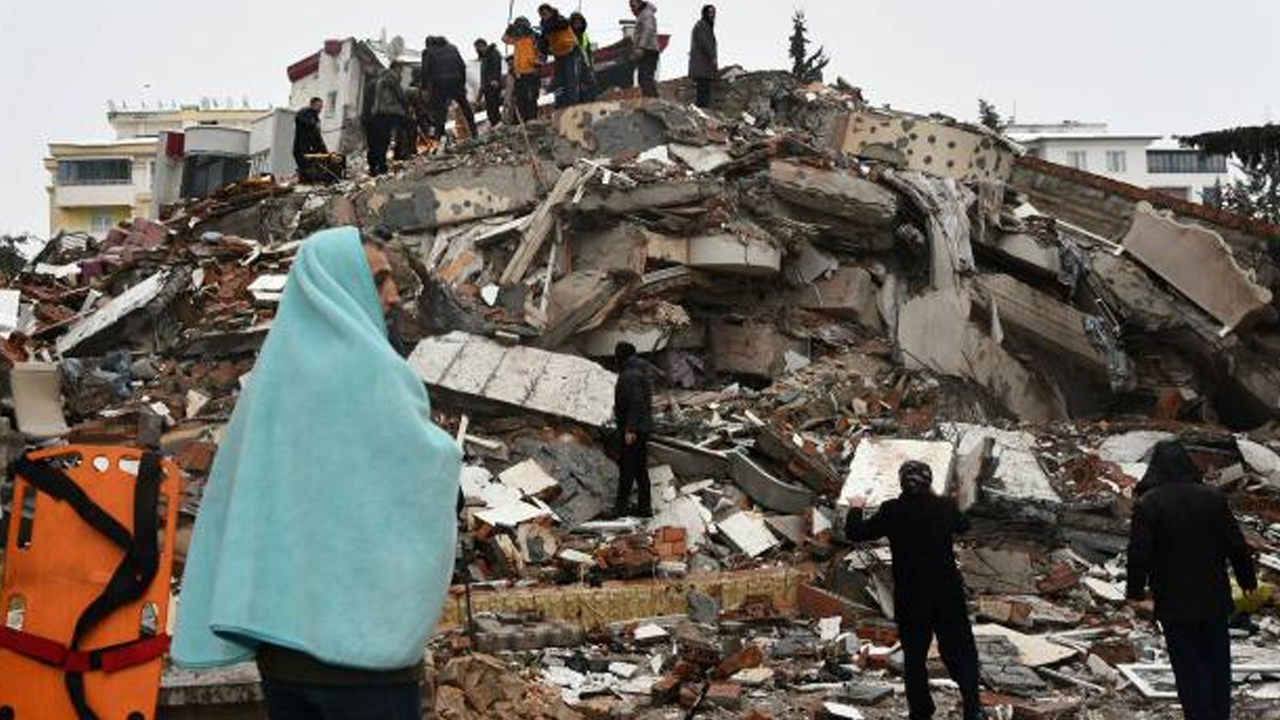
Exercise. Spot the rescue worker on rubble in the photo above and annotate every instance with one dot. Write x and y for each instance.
(704, 57)
(490, 80)
(444, 78)
(928, 590)
(645, 52)
(526, 67)
(633, 412)
(307, 139)
(586, 58)
(559, 42)
(388, 116)
(324, 546)
(1181, 540)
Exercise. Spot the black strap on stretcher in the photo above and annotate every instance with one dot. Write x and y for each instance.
(128, 583)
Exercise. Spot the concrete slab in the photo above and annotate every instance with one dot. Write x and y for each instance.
(1040, 317)
(947, 149)
(623, 201)
(561, 385)
(1134, 294)
(735, 255)
(622, 247)
(1198, 262)
(751, 348)
(840, 193)
(849, 292)
(37, 400)
(767, 490)
(704, 159)
(749, 533)
(420, 202)
(611, 129)
(934, 332)
(1018, 475)
(1028, 251)
(108, 316)
(874, 471)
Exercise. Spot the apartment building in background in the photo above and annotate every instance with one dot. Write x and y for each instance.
(1151, 161)
(95, 184)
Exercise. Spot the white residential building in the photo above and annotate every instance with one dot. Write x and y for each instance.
(1150, 161)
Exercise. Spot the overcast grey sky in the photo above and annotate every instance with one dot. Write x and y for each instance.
(1142, 65)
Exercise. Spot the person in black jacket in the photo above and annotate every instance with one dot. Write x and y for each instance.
(1181, 539)
(490, 80)
(704, 57)
(307, 139)
(928, 590)
(633, 410)
(444, 78)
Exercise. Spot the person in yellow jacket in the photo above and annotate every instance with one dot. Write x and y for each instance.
(586, 57)
(559, 42)
(526, 67)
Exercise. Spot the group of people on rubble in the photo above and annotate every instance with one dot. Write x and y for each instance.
(399, 111)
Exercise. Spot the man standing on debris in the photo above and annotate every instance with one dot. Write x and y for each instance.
(526, 67)
(324, 546)
(586, 58)
(444, 77)
(490, 80)
(704, 58)
(1181, 540)
(307, 139)
(388, 116)
(928, 590)
(644, 52)
(633, 411)
(558, 41)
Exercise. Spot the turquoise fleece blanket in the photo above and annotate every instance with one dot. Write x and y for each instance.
(328, 524)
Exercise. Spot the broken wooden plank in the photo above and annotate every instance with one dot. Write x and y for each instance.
(540, 226)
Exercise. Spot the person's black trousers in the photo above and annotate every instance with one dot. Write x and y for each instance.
(703, 86)
(1200, 653)
(527, 89)
(291, 701)
(959, 655)
(493, 105)
(379, 141)
(647, 70)
(441, 96)
(566, 80)
(633, 474)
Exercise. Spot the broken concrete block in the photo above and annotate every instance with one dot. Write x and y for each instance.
(1133, 293)
(550, 383)
(624, 201)
(1039, 317)
(1132, 448)
(934, 332)
(809, 264)
(528, 478)
(839, 193)
(874, 471)
(1198, 262)
(849, 292)
(1260, 460)
(735, 255)
(1018, 475)
(704, 159)
(621, 247)
(748, 533)
(425, 202)
(751, 349)
(574, 300)
(944, 148)
(1034, 651)
(765, 489)
(511, 514)
(610, 129)
(37, 400)
(1028, 252)
(998, 572)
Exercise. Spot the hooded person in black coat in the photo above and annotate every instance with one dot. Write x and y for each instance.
(1181, 540)
(928, 590)
(633, 411)
(444, 78)
(704, 55)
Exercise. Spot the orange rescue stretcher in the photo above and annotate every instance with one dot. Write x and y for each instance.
(84, 599)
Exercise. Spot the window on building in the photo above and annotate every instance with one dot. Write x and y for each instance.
(331, 104)
(1117, 161)
(1078, 159)
(1184, 161)
(95, 172)
(101, 224)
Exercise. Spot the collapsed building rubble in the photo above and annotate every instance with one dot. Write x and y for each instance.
(821, 291)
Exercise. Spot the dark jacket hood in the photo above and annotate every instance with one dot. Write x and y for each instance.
(1170, 465)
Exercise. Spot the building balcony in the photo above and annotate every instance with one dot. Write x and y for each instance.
(94, 195)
